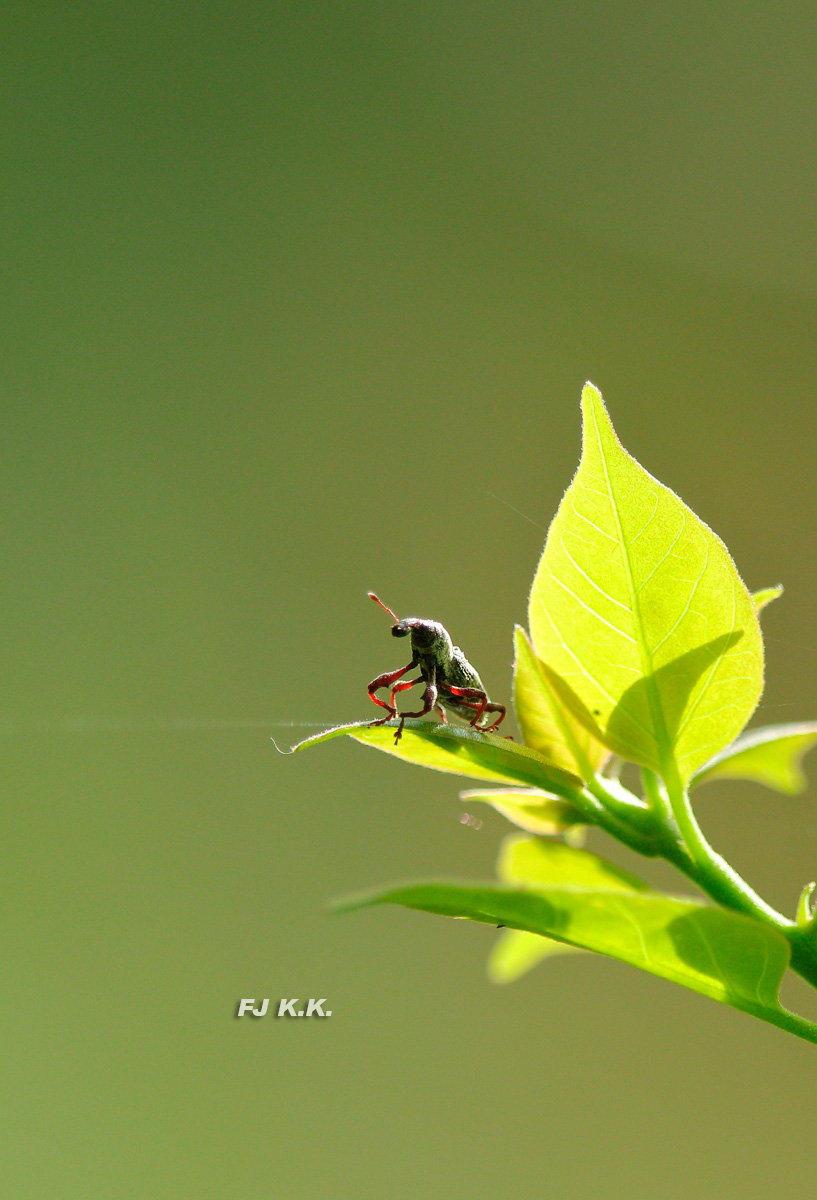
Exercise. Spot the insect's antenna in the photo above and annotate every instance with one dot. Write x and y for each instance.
(372, 596)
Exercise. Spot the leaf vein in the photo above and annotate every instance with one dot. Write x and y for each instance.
(589, 609)
(592, 582)
(664, 557)
(713, 669)
(695, 587)
(598, 528)
(587, 674)
(648, 522)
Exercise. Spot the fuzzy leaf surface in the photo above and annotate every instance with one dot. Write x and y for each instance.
(458, 751)
(766, 595)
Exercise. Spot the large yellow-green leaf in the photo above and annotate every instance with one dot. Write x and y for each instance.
(640, 615)
(770, 754)
(546, 723)
(721, 954)
(459, 751)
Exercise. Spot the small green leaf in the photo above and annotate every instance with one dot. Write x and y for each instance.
(721, 954)
(536, 811)
(459, 751)
(515, 952)
(765, 596)
(546, 723)
(805, 916)
(638, 610)
(532, 863)
(770, 754)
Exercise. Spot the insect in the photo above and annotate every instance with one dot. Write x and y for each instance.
(451, 682)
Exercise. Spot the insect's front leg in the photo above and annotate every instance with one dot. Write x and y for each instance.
(402, 687)
(429, 700)
(386, 680)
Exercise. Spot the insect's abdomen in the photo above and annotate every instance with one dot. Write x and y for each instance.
(460, 673)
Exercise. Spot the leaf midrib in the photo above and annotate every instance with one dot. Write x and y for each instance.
(660, 733)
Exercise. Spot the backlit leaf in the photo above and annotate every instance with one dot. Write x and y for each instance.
(515, 952)
(534, 863)
(721, 954)
(765, 596)
(640, 615)
(546, 723)
(536, 811)
(770, 754)
(459, 751)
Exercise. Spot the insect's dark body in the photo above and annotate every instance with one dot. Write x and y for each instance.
(438, 658)
(451, 682)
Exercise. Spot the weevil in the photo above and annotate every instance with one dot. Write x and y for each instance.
(451, 682)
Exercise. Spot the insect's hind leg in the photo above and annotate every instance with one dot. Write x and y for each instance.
(471, 698)
(477, 699)
(494, 708)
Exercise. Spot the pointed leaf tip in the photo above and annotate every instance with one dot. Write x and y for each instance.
(765, 596)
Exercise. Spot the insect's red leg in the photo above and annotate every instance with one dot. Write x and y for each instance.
(429, 700)
(401, 687)
(474, 698)
(386, 680)
(497, 708)
(440, 711)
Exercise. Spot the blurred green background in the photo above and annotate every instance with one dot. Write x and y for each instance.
(294, 297)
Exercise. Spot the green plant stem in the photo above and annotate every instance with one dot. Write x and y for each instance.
(656, 795)
(713, 873)
(720, 881)
(674, 834)
(692, 854)
(617, 815)
(791, 1022)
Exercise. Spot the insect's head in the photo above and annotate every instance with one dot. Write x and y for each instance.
(399, 628)
(423, 633)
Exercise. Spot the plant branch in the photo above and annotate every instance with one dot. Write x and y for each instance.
(712, 872)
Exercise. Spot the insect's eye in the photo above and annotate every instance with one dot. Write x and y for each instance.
(399, 630)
